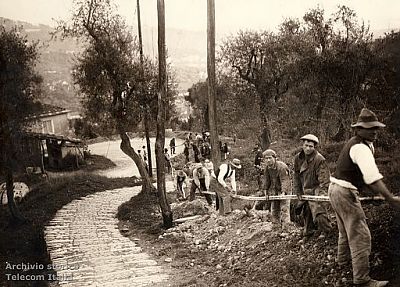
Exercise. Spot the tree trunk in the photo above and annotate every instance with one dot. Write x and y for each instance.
(146, 110)
(206, 123)
(8, 152)
(212, 106)
(147, 132)
(342, 133)
(265, 135)
(160, 139)
(15, 213)
(129, 151)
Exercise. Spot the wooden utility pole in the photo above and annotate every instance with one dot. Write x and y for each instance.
(212, 106)
(162, 95)
(146, 118)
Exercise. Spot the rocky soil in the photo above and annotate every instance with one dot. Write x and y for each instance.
(248, 249)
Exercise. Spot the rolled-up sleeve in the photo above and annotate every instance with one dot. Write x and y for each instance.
(207, 178)
(196, 178)
(222, 171)
(362, 156)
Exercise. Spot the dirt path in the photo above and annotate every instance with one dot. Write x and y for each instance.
(125, 166)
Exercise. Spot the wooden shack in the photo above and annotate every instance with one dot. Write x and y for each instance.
(49, 151)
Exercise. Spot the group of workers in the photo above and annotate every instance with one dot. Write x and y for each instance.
(356, 171)
(205, 178)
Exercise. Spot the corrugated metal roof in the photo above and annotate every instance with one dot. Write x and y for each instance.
(43, 110)
(52, 136)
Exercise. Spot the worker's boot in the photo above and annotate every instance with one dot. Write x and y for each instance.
(323, 223)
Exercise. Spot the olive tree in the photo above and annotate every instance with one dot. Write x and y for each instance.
(19, 86)
(264, 60)
(108, 72)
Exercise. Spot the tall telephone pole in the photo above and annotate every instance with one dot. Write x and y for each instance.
(162, 95)
(212, 116)
(146, 118)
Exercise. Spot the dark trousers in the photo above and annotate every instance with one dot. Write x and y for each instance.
(181, 192)
(223, 200)
(168, 166)
(202, 187)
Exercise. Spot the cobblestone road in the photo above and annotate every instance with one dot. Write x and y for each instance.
(87, 249)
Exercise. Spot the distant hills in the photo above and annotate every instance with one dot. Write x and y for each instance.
(54, 65)
(186, 56)
(187, 51)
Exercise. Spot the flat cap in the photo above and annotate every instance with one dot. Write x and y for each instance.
(269, 152)
(310, 137)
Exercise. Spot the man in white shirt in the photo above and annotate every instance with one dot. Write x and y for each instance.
(226, 171)
(210, 167)
(201, 181)
(357, 171)
(181, 180)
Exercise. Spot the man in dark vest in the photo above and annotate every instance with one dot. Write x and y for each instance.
(226, 171)
(356, 171)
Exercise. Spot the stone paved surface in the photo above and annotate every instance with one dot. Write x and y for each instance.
(87, 249)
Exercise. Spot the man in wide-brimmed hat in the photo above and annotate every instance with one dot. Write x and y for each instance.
(226, 171)
(356, 171)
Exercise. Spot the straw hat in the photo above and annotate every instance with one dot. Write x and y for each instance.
(236, 163)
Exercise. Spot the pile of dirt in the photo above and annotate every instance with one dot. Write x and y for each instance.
(241, 249)
(189, 208)
(248, 249)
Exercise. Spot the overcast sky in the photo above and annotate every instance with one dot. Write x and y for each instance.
(231, 15)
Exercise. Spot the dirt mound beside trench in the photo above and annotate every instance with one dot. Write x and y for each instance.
(248, 249)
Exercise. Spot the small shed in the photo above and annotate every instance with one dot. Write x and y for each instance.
(49, 119)
(49, 151)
